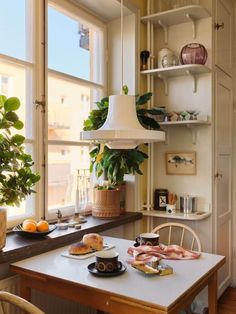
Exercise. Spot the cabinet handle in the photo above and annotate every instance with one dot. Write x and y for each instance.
(221, 25)
(218, 175)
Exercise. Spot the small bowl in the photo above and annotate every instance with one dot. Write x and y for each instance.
(62, 225)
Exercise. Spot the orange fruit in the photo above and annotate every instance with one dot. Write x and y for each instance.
(29, 226)
(42, 225)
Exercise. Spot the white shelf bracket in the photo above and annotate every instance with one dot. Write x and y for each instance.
(193, 133)
(165, 81)
(167, 134)
(165, 30)
(190, 18)
(194, 80)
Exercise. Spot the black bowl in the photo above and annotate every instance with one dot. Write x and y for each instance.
(18, 230)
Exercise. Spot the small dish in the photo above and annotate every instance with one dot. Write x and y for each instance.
(62, 226)
(18, 230)
(95, 272)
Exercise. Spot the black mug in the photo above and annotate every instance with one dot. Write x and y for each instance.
(107, 261)
(148, 238)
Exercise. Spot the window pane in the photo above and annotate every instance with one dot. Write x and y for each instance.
(68, 107)
(64, 163)
(73, 47)
(16, 81)
(16, 28)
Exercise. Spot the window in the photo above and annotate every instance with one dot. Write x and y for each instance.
(17, 68)
(74, 61)
(75, 81)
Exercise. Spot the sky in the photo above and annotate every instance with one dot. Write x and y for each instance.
(64, 53)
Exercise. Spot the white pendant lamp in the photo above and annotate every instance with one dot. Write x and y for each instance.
(122, 129)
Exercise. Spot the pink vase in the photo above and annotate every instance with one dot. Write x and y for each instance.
(193, 53)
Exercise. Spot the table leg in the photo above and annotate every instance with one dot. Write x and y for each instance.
(212, 294)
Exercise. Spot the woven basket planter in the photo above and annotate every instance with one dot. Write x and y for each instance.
(106, 203)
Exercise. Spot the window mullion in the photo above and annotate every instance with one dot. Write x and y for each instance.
(40, 97)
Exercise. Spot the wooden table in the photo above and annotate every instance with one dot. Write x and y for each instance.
(132, 292)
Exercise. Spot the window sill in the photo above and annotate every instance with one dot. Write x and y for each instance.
(18, 247)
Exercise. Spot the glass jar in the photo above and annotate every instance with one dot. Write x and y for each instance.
(144, 55)
(193, 53)
(160, 199)
(167, 58)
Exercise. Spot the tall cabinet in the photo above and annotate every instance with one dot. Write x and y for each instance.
(206, 89)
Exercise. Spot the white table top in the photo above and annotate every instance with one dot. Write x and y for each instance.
(162, 290)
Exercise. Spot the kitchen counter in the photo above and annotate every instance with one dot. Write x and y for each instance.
(18, 247)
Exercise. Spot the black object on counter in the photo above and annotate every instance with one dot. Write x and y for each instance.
(160, 199)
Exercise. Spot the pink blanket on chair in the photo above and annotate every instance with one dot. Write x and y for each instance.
(144, 253)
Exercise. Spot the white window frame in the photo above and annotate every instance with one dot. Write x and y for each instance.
(89, 20)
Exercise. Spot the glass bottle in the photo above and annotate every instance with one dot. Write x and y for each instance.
(144, 55)
(82, 190)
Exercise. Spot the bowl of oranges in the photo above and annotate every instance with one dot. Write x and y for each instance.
(34, 229)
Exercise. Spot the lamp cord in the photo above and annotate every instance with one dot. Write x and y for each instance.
(121, 38)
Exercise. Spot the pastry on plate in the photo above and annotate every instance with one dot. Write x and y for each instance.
(94, 241)
(80, 248)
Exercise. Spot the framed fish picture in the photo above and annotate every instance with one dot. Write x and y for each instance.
(181, 163)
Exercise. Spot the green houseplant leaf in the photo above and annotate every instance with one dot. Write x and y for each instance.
(16, 176)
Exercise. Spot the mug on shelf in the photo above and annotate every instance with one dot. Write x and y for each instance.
(170, 208)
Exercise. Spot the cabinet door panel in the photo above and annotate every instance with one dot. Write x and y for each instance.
(224, 248)
(223, 35)
(223, 177)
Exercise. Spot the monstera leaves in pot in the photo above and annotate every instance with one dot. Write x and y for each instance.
(16, 176)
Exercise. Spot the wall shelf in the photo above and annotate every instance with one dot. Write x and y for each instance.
(190, 124)
(198, 215)
(191, 70)
(190, 13)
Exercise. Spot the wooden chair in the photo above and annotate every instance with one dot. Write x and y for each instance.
(17, 301)
(179, 233)
(170, 232)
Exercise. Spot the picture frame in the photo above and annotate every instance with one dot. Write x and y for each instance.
(181, 163)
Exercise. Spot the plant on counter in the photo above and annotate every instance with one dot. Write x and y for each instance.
(16, 176)
(115, 163)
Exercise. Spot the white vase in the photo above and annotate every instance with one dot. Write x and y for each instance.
(3, 227)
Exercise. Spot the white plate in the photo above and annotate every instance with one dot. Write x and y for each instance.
(84, 256)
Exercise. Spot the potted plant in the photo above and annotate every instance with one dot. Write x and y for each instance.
(115, 163)
(106, 202)
(16, 176)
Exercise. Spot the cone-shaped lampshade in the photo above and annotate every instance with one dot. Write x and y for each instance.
(122, 129)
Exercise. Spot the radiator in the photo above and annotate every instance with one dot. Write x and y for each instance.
(47, 303)
(10, 284)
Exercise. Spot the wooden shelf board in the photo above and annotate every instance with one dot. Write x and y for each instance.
(178, 70)
(185, 123)
(177, 16)
(198, 215)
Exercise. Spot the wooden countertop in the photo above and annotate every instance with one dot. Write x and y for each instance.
(18, 247)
